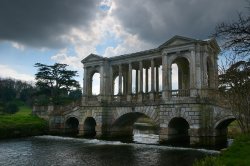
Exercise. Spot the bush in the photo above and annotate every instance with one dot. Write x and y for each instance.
(11, 108)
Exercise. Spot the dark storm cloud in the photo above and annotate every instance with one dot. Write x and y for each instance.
(41, 23)
(157, 20)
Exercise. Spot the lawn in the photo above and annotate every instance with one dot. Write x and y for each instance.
(21, 124)
(238, 154)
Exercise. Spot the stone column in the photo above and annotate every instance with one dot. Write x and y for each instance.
(195, 73)
(152, 80)
(136, 81)
(152, 76)
(102, 94)
(129, 82)
(89, 84)
(140, 95)
(141, 78)
(165, 76)
(85, 84)
(146, 81)
(120, 80)
(157, 78)
(111, 82)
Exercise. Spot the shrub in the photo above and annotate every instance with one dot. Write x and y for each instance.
(11, 108)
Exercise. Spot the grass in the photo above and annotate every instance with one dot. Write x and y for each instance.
(234, 130)
(238, 154)
(21, 124)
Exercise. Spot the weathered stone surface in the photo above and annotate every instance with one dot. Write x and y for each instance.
(193, 107)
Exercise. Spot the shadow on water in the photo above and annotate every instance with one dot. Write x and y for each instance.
(54, 150)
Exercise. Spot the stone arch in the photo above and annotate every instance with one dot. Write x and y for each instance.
(224, 122)
(178, 128)
(220, 130)
(72, 125)
(123, 127)
(183, 66)
(94, 73)
(173, 57)
(149, 111)
(89, 127)
(180, 113)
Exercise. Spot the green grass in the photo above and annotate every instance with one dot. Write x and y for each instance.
(234, 130)
(21, 124)
(236, 155)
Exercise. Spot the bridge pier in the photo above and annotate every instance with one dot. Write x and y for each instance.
(193, 112)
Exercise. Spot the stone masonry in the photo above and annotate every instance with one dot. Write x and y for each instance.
(145, 89)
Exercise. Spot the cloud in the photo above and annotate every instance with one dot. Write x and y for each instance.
(45, 23)
(7, 72)
(158, 20)
(18, 46)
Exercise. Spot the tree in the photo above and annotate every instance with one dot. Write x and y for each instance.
(235, 88)
(236, 35)
(234, 77)
(55, 81)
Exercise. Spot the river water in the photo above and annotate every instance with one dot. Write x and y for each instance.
(66, 151)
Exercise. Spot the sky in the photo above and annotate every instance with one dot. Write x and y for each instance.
(66, 31)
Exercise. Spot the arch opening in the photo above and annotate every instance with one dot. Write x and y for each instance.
(225, 129)
(95, 85)
(72, 126)
(89, 127)
(180, 77)
(178, 131)
(116, 86)
(135, 127)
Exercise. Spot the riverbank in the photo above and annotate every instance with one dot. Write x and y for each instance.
(238, 154)
(21, 124)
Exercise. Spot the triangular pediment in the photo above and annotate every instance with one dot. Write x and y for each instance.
(92, 57)
(176, 41)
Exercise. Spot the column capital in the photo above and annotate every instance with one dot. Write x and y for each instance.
(164, 52)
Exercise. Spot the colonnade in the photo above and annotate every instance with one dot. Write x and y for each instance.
(139, 80)
(148, 74)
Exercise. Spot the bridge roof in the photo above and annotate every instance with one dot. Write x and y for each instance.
(175, 41)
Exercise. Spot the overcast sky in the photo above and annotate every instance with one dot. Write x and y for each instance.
(66, 31)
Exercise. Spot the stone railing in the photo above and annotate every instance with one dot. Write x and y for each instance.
(92, 98)
(180, 93)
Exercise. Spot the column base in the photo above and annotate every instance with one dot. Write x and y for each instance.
(140, 97)
(151, 95)
(129, 97)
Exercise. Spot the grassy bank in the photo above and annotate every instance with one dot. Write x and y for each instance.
(236, 155)
(21, 124)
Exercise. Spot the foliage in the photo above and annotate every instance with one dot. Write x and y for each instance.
(13, 90)
(75, 94)
(55, 81)
(235, 87)
(237, 154)
(22, 123)
(11, 108)
(234, 76)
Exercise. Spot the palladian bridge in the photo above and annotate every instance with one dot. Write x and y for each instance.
(140, 85)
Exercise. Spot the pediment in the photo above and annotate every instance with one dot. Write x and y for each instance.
(92, 57)
(176, 41)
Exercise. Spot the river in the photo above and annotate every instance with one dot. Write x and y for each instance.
(66, 151)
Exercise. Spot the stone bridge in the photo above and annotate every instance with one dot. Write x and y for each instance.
(174, 85)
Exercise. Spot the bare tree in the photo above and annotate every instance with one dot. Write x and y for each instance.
(236, 35)
(234, 76)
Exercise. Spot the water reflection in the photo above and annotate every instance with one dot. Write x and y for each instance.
(50, 150)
